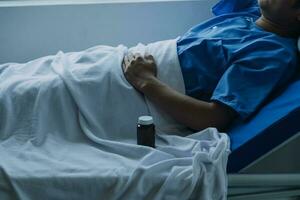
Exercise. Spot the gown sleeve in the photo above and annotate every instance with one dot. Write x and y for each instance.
(249, 80)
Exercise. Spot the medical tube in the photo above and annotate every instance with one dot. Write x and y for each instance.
(146, 131)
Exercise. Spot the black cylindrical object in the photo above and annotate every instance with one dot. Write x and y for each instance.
(146, 131)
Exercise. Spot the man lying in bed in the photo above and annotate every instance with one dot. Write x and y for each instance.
(230, 64)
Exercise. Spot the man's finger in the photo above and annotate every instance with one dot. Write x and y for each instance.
(149, 56)
(138, 57)
(130, 56)
(126, 61)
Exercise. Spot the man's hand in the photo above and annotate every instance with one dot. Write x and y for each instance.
(195, 114)
(139, 70)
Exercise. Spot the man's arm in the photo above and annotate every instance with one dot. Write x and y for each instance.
(195, 114)
(191, 112)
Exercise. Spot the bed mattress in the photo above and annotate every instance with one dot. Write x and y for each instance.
(275, 123)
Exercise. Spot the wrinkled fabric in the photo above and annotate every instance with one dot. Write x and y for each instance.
(68, 131)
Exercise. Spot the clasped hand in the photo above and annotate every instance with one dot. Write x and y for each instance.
(139, 70)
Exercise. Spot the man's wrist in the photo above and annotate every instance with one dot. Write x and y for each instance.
(150, 86)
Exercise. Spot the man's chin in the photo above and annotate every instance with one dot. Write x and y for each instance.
(263, 4)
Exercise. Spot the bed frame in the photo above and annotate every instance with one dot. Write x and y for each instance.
(275, 175)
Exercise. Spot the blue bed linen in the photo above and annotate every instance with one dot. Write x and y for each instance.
(273, 124)
(229, 59)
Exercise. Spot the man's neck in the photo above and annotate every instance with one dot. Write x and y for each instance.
(278, 29)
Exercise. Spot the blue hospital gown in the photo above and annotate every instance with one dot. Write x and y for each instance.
(230, 60)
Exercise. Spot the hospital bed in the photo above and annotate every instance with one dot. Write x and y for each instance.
(251, 176)
(264, 163)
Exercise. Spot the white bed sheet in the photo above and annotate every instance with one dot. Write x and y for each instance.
(68, 125)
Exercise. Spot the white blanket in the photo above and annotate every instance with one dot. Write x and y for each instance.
(68, 131)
